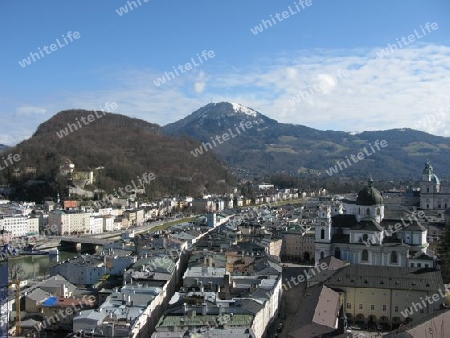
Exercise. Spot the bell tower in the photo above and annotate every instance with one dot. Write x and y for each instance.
(323, 225)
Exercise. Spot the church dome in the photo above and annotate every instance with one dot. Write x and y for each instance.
(369, 195)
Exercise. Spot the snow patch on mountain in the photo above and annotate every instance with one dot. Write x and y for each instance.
(238, 108)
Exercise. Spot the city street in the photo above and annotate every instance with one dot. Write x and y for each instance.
(290, 300)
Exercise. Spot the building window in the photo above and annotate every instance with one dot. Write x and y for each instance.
(426, 265)
(378, 211)
(419, 265)
(412, 265)
(394, 257)
(337, 253)
(384, 308)
(368, 211)
(322, 234)
(360, 306)
(365, 256)
(372, 307)
(349, 305)
(396, 309)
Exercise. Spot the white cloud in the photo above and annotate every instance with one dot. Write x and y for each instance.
(200, 85)
(392, 92)
(30, 110)
(291, 73)
(377, 94)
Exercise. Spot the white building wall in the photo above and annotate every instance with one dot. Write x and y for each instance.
(108, 224)
(70, 222)
(95, 225)
(117, 225)
(17, 225)
(33, 225)
(265, 316)
(105, 211)
(140, 217)
(78, 275)
(120, 264)
(259, 320)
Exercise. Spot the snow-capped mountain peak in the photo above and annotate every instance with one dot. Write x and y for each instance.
(227, 109)
(239, 108)
(220, 114)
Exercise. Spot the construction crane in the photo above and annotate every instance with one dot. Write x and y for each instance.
(16, 282)
(15, 274)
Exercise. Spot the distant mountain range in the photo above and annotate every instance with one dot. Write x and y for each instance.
(123, 148)
(194, 155)
(269, 146)
(3, 148)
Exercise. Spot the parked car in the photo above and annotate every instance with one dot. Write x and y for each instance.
(280, 327)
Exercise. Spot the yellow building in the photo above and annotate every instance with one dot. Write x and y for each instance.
(298, 244)
(387, 295)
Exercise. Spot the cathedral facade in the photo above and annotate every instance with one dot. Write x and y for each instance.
(361, 235)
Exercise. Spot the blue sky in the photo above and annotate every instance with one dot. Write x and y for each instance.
(118, 58)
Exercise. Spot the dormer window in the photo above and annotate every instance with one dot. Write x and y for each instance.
(394, 257)
(365, 256)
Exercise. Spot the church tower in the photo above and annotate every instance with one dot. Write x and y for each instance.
(429, 187)
(430, 182)
(323, 233)
(323, 225)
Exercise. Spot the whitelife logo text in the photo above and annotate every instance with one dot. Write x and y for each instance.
(184, 68)
(53, 47)
(355, 158)
(225, 137)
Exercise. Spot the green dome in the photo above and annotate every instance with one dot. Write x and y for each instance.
(369, 195)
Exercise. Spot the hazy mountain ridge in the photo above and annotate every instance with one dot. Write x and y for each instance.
(273, 146)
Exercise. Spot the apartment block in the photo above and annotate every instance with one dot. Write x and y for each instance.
(68, 223)
(16, 225)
